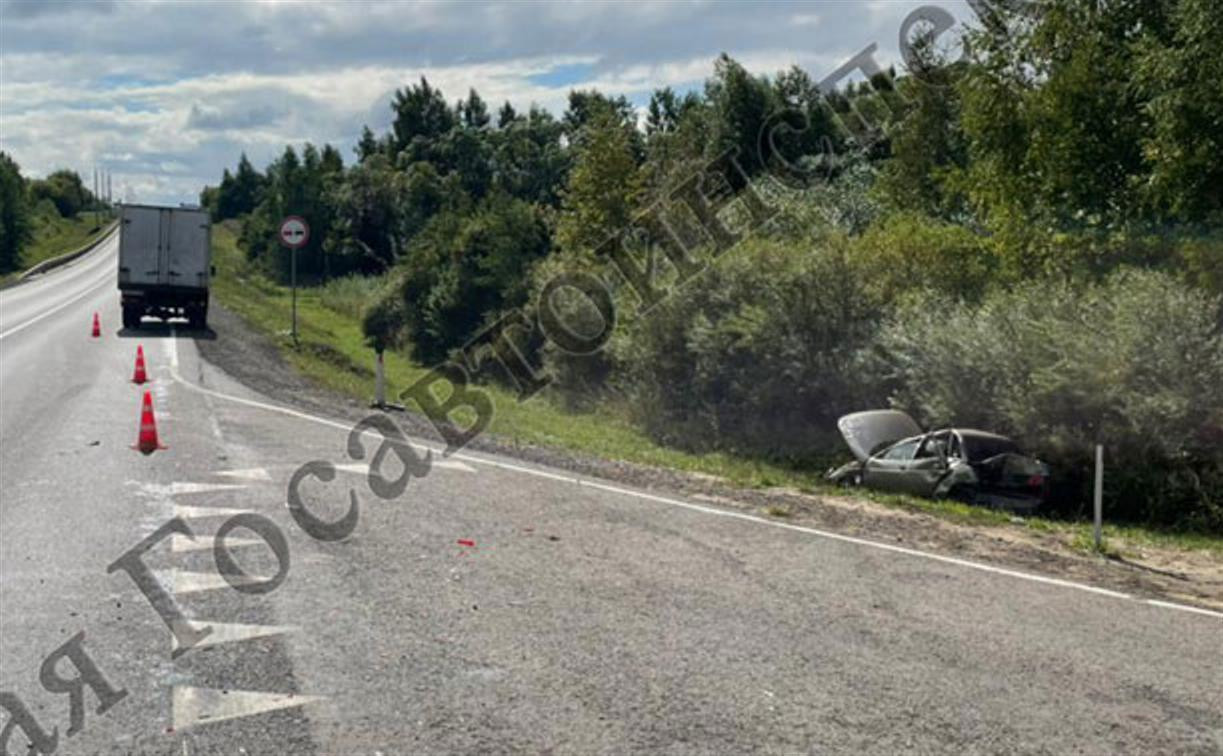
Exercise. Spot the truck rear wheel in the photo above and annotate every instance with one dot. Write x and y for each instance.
(131, 316)
(197, 319)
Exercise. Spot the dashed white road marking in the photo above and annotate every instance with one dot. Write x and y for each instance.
(181, 582)
(253, 473)
(187, 512)
(196, 706)
(176, 489)
(224, 632)
(181, 544)
(446, 464)
(979, 566)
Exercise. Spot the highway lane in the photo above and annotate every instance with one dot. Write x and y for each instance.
(24, 305)
(501, 606)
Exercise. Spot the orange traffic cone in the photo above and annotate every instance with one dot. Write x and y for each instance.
(139, 376)
(97, 326)
(147, 442)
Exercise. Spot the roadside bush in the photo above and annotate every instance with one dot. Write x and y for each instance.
(907, 252)
(383, 320)
(1134, 362)
(65, 189)
(463, 268)
(581, 380)
(757, 354)
(350, 295)
(1202, 260)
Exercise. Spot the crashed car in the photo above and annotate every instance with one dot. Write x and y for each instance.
(893, 454)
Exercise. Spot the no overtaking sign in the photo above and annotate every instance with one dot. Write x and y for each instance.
(294, 232)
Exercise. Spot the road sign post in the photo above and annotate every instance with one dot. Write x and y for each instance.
(294, 233)
(1098, 499)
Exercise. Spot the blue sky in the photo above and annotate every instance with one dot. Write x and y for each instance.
(166, 94)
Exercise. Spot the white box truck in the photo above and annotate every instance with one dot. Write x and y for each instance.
(164, 263)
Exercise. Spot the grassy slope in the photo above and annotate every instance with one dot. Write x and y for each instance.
(54, 235)
(334, 353)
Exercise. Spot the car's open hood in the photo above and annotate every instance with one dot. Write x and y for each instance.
(867, 431)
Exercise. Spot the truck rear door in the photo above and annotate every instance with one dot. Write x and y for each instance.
(140, 244)
(187, 251)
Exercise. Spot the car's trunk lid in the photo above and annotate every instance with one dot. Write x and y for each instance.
(865, 432)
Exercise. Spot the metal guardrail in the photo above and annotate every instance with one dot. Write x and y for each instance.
(67, 257)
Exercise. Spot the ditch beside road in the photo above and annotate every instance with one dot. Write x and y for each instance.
(1138, 565)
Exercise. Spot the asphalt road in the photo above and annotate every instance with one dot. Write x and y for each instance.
(500, 606)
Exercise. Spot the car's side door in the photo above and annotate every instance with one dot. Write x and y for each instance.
(929, 465)
(885, 471)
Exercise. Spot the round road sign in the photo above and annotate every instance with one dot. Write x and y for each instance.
(294, 232)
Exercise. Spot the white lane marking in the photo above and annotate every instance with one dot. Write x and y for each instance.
(446, 464)
(88, 290)
(187, 513)
(180, 544)
(723, 513)
(254, 473)
(1184, 608)
(172, 348)
(176, 489)
(182, 582)
(195, 706)
(223, 632)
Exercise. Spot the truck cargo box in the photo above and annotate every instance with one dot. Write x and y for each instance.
(164, 263)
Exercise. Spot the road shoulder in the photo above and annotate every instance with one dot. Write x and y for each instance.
(1167, 574)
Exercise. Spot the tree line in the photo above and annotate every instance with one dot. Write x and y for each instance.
(62, 192)
(1025, 238)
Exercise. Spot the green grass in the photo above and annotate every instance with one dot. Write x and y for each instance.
(54, 236)
(333, 351)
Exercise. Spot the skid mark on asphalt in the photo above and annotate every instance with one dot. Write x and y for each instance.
(193, 706)
(900, 550)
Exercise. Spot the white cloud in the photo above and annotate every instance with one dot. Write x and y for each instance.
(168, 94)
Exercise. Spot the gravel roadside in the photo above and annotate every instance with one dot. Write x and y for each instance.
(1194, 577)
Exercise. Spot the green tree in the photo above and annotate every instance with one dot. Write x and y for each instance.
(421, 116)
(65, 189)
(460, 271)
(506, 115)
(740, 106)
(1181, 76)
(529, 160)
(473, 111)
(927, 144)
(239, 193)
(368, 145)
(1053, 120)
(14, 214)
(603, 185)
